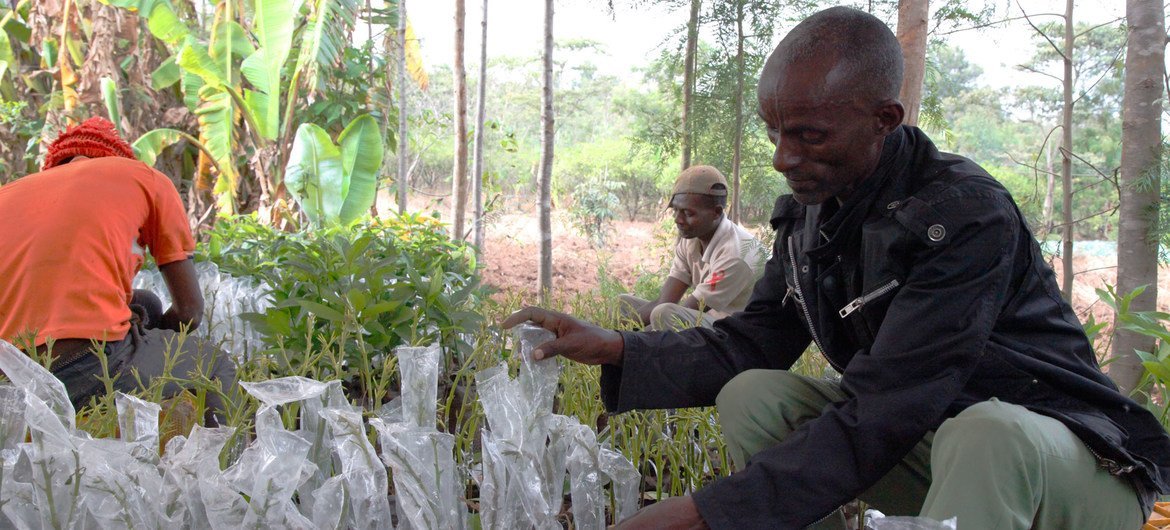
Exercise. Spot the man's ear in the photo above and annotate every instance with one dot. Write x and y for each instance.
(889, 114)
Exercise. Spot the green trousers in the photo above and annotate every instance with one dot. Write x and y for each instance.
(994, 466)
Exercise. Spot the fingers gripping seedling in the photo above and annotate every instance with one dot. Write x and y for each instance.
(575, 340)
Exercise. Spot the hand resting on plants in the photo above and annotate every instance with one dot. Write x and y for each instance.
(678, 512)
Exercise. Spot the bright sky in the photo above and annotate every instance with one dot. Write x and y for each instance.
(632, 37)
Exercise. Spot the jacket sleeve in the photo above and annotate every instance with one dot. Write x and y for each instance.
(687, 369)
(927, 347)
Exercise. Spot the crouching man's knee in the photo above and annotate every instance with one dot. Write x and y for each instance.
(759, 408)
(999, 465)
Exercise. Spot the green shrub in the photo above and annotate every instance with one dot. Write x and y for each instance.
(1155, 383)
(344, 297)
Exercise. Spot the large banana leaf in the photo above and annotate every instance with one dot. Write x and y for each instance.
(195, 59)
(335, 185)
(217, 117)
(274, 28)
(6, 54)
(361, 158)
(148, 146)
(325, 37)
(113, 103)
(314, 174)
(229, 41)
(263, 72)
(166, 26)
(273, 25)
(167, 74)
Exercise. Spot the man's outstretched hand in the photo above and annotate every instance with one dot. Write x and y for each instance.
(576, 340)
(677, 512)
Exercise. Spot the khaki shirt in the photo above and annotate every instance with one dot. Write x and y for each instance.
(722, 275)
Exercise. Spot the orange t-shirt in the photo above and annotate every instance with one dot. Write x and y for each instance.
(71, 240)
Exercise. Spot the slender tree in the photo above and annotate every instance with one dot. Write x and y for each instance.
(912, 17)
(546, 158)
(738, 137)
(403, 141)
(459, 172)
(1141, 149)
(480, 115)
(689, 82)
(1066, 149)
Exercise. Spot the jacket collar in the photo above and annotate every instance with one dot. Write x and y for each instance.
(840, 231)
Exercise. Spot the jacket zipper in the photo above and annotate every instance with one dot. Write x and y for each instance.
(867, 298)
(1110, 465)
(807, 315)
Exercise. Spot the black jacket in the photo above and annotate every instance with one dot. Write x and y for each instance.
(927, 291)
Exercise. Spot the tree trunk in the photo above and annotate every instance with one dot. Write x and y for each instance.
(689, 81)
(403, 141)
(1141, 149)
(480, 116)
(912, 17)
(459, 173)
(738, 141)
(370, 66)
(1066, 253)
(546, 159)
(1049, 189)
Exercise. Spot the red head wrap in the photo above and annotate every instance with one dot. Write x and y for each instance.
(95, 138)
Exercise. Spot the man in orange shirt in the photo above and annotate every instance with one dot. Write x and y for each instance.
(72, 237)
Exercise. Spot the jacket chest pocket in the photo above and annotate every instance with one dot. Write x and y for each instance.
(884, 249)
(867, 311)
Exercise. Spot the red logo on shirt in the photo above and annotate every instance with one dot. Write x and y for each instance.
(715, 278)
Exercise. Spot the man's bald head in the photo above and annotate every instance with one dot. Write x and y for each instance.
(866, 52)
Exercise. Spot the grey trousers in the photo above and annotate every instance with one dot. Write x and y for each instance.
(994, 466)
(145, 355)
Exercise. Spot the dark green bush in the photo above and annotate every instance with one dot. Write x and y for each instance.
(345, 297)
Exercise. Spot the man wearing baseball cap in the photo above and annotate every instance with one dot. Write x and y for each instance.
(74, 235)
(714, 258)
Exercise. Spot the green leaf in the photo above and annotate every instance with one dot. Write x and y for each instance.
(148, 146)
(357, 299)
(229, 42)
(6, 54)
(167, 74)
(322, 311)
(216, 115)
(325, 37)
(110, 98)
(260, 107)
(381, 307)
(194, 58)
(18, 29)
(1160, 371)
(49, 51)
(191, 84)
(313, 175)
(361, 156)
(436, 285)
(166, 26)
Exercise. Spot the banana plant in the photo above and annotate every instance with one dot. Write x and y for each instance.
(335, 184)
(211, 86)
(212, 77)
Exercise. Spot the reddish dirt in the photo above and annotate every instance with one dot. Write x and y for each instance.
(513, 249)
(512, 254)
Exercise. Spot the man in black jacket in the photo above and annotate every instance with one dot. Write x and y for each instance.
(968, 388)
